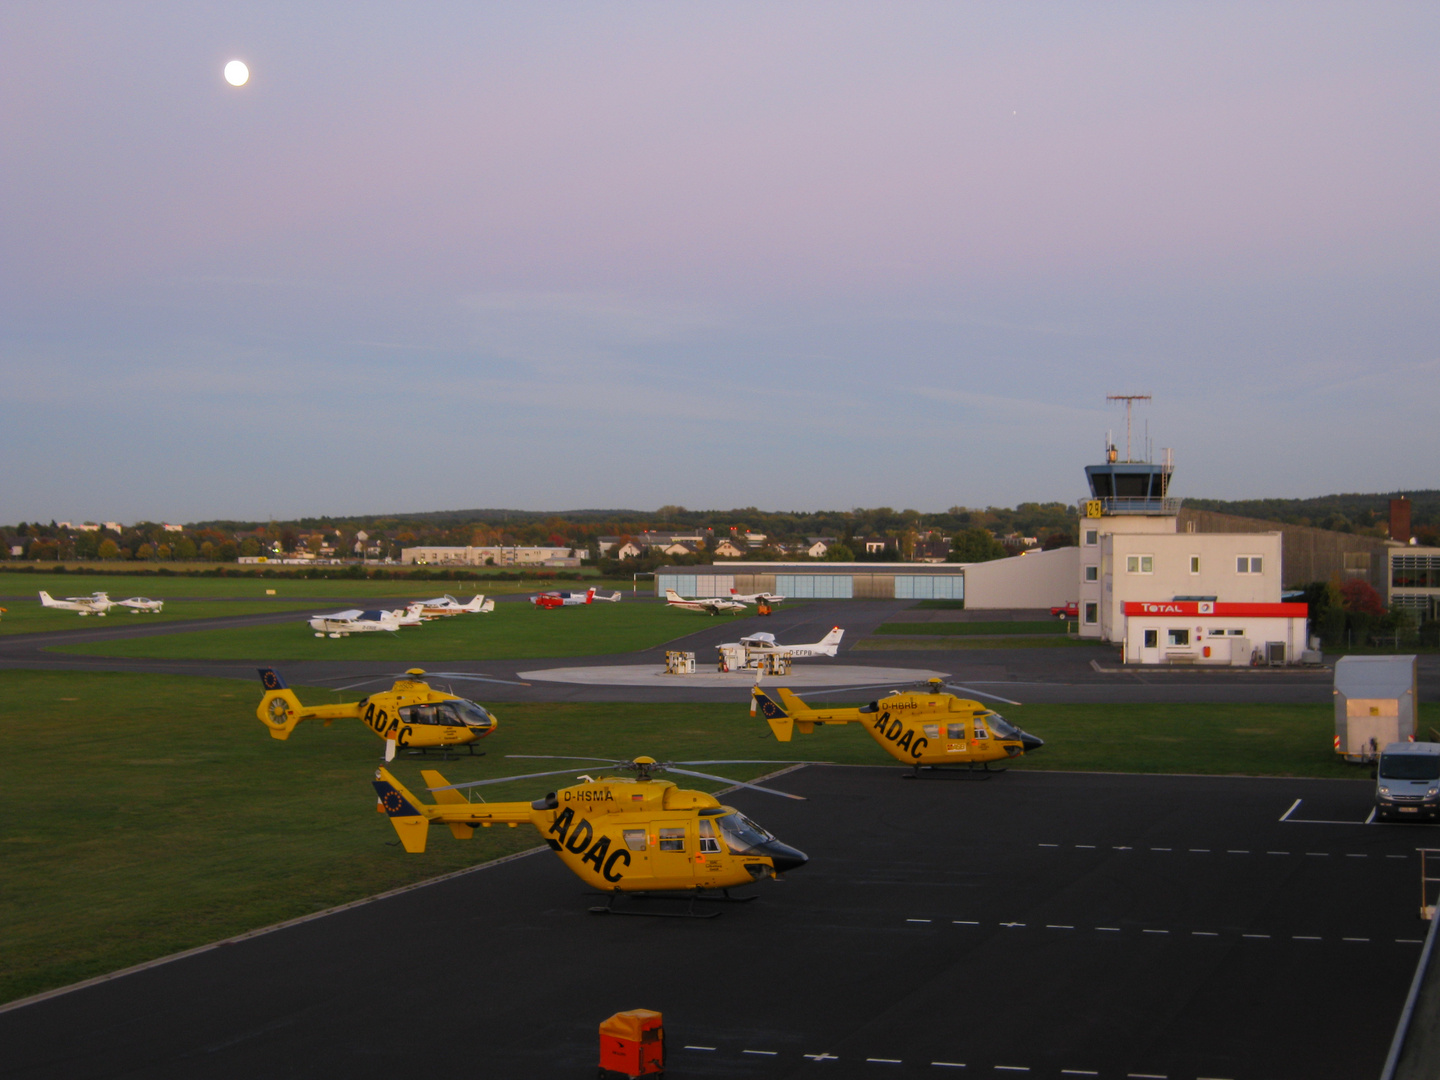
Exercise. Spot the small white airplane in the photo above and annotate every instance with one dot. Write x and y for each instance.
(137, 604)
(755, 598)
(447, 605)
(711, 605)
(751, 651)
(97, 603)
(353, 621)
(569, 599)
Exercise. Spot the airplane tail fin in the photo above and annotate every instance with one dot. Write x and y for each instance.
(775, 713)
(590, 596)
(671, 596)
(279, 709)
(46, 600)
(487, 607)
(406, 812)
(830, 643)
(477, 603)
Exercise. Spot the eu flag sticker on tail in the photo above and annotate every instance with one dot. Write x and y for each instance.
(270, 679)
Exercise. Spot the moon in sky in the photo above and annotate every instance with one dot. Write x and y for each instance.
(236, 73)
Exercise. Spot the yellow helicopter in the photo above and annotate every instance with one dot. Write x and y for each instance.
(921, 728)
(618, 834)
(410, 715)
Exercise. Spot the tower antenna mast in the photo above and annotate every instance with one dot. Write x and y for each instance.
(1129, 400)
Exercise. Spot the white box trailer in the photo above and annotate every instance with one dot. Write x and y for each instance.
(1374, 704)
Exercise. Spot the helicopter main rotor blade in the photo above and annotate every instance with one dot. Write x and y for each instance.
(749, 761)
(980, 693)
(737, 783)
(570, 757)
(852, 689)
(502, 779)
(477, 677)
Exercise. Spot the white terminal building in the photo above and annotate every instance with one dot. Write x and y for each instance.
(1169, 596)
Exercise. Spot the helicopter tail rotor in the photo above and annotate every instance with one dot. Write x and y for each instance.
(279, 709)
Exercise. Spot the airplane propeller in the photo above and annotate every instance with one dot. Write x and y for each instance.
(643, 766)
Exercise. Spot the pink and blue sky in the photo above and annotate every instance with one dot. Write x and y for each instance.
(787, 255)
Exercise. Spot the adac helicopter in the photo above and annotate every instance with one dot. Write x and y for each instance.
(618, 834)
(410, 715)
(925, 728)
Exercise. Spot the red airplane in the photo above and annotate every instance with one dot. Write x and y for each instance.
(565, 599)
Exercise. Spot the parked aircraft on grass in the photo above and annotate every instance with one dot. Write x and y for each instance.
(443, 606)
(711, 605)
(354, 621)
(137, 604)
(97, 603)
(750, 652)
(569, 599)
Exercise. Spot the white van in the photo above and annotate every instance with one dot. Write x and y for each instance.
(1407, 781)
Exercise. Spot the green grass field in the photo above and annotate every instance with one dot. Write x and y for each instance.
(27, 587)
(973, 629)
(511, 632)
(28, 617)
(153, 813)
(943, 642)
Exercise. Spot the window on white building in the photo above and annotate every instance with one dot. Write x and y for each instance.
(1248, 564)
(1092, 537)
(1139, 564)
(1194, 564)
(1092, 573)
(1176, 636)
(1092, 613)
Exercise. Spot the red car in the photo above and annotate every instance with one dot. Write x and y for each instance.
(1067, 611)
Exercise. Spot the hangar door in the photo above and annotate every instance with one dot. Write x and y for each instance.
(929, 586)
(815, 586)
(695, 584)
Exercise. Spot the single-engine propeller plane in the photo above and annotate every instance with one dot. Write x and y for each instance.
(410, 715)
(921, 728)
(97, 603)
(444, 606)
(756, 598)
(752, 651)
(340, 624)
(618, 834)
(571, 599)
(139, 604)
(711, 605)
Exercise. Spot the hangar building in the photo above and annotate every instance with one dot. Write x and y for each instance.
(819, 580)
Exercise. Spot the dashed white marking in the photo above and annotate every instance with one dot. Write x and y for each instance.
(1162, 849)
(1013, 1068)
(1395, 856)
(948, 1064)
(1291, 810)
(1304, 937)
(884, 1061)
(1078, 1072)
(1237, 851)
(1058, 926)
(1092, 848)
(917, 920)
(1277, 853)
(764, 1053)
(1355, 855)
(1112, 929)
(1265, 936)
(1200, 851)
(822, 1057)
(1012, 924)
(1117, 847)
(1154, 931)
(1203, 933)
(1319, 854)
(966, 922)
(1366, 939)
(1146, 1076)
(699, 1048)
(1370, 820)
(1042, 845)
(1408, 941)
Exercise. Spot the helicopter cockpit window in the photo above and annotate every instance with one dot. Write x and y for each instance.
(1003, 728)
(955, 731)
(709, 842)
(471, 714)
(741, 834)
(445, 714)
(672, 839)
(635, 839)
(980, 732)
(419, 714)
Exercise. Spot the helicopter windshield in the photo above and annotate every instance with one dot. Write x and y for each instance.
(1002, 728)
(471, 714)
(741, 834)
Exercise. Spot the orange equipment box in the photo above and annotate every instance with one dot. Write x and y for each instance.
(632, 1044)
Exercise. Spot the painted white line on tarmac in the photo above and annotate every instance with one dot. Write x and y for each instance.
(762, 1053)
(1409, 941)
(1154, 931)
(884, 1061)
(822, 1057)
(1111, 929)
(1161, 849)
(1365, 939)
(1264, 936)
(1203, 933)
(1078, 1072)
(948, 1064)
(917, 920)
(699, 1048)
(966, 922)
(1058, 926)
(1304, 937)
(1283, 816)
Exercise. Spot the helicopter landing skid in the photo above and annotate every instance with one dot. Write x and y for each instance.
(984, 770)
(609, 907)
(445, 754)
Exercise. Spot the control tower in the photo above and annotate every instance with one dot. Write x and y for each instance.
(1127, 496)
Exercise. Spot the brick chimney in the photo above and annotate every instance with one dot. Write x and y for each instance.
(1400, 519)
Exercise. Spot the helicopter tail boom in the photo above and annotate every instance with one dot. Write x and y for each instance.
(412, 818)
